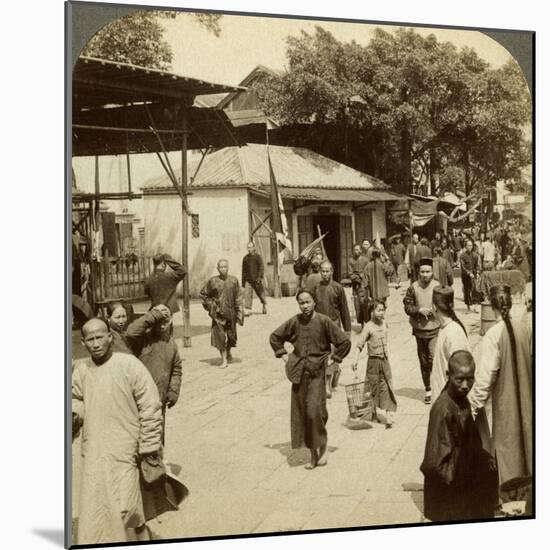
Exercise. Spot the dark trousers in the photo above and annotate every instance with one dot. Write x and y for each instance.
(308, 412)
(360, 303)
(425, 348)
(382, 396)
(467, 287)
(258, 288)
(223, 335)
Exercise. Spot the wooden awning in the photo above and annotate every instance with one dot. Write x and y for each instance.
(110, 101)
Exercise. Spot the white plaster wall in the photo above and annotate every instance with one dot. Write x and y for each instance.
(223, 222)
(379, 220)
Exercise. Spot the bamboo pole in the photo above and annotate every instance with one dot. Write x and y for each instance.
(185, 237)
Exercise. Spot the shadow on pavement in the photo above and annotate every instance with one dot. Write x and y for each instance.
(411, 393)
(215, 362)
(416, 491)
(295, 457)
(196, 330)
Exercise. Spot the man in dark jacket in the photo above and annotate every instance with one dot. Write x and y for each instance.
(412, 257)
(418, 304)
(252, 279)
(443, 272)
(356, 272)
(161, 286)
(469, 270)
(150, 339)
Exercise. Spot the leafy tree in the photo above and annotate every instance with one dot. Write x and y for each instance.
(138, 38)
(405, 108)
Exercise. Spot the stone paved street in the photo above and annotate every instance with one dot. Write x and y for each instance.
(230, 435)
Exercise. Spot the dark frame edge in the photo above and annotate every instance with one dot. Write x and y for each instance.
(68, 12)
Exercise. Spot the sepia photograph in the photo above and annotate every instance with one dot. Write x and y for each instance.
(300, 271)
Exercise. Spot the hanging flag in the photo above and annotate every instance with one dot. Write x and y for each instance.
(279, 224)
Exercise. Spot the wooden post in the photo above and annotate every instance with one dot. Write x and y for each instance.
(185, 238)
(275, 260)
(411, 217)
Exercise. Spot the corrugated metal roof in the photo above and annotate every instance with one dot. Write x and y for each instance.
(294, 167)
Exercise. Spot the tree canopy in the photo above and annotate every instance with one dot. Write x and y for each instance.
(405, 108)
(138, 38)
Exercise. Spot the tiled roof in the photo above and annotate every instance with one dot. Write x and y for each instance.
(293, 167)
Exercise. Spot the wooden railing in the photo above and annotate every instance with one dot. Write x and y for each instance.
(121, 278)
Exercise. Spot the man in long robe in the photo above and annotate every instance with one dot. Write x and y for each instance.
(330, 300)
(117, 402)
(443, 272)
(312, 335)
(376, 275)
(397, 256)
(222, 297)
(511, 391)
(459, 475)
(470, 263)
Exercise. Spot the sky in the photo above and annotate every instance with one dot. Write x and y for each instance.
(248, 41)
(244, 43)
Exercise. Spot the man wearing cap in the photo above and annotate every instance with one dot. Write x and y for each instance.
(418, 304)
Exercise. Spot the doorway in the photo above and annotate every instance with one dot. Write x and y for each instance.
(330, 224)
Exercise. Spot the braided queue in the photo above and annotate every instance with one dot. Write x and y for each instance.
(448, 309)
(503, 303)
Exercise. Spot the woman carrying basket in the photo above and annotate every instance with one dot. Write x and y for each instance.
(378, 372)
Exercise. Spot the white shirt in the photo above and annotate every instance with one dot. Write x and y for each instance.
(487, 368)
(451, 338)
(488, 251)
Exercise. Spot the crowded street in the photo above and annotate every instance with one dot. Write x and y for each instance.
(229, 434)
